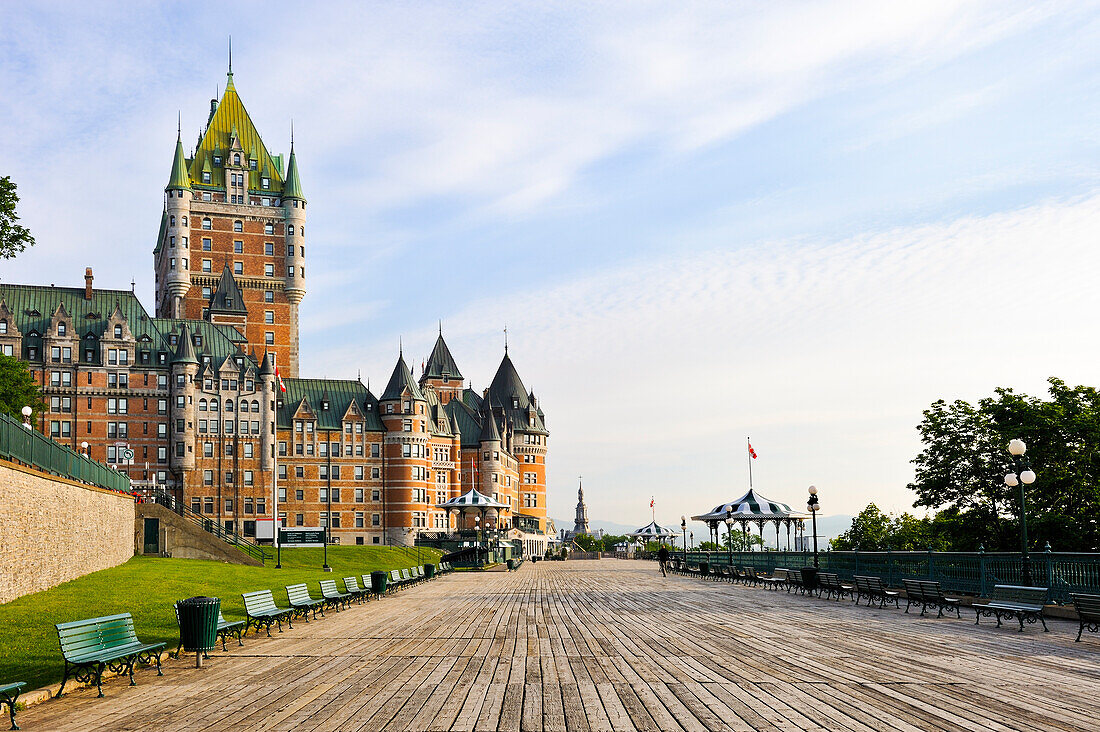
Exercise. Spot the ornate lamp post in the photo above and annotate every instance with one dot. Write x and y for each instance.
(27, 416)
(84, 448)
(477, 536)
(683, 529)
(813, 506)
(729, 539)
(1022, 475)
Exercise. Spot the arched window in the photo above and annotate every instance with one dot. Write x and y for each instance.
(202, 405)
(206, 224)
(238, 226)
(255, 406)
(183, 221)
(229, 405)
(236, 159)
(290, 230)
(214, 404)
(171, 220)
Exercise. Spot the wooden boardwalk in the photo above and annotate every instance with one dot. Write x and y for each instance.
(610, 645)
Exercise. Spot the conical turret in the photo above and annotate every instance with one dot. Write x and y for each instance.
(292, 187)
(179, 180)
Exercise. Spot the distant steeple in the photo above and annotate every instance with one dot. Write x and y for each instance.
(580, 525)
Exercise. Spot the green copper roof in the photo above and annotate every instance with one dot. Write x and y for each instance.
(467, 420)
(227, 298)
(232, 118)
(212, 342)
(185, 353)
(507, 391)
(401, 379)
(441, 363)
(293, 187)
(179, 179)
(339, 393)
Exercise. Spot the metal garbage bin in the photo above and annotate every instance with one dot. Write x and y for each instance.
(511, 564)
(379, 581)
(429, 570)
(704, 569)
(809, 578)
(198, 618)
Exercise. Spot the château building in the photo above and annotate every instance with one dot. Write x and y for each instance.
(205, 399)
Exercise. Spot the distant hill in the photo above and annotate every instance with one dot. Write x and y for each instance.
(828, 527)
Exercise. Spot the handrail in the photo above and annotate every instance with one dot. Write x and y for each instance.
(209, 525)
(25, 445)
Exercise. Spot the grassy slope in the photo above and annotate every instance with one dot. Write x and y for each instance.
(148, 586)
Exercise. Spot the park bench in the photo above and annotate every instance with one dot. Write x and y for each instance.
(333, 597)
(795, 581)
(927, 593)
(9, 694)
(368, 586)
(395, 579)
(1014, 601)
(261, 610)
(749, 576)
(419, 570)
(873, 588)
(777, 579)
(830, 584)
(352, 586)
(1088, 612)
(92, 645)
(408, 578)
(301, 603)
(235, 628)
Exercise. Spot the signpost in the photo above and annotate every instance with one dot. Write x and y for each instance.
(299, 536)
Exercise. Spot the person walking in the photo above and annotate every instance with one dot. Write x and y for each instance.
(662, 559)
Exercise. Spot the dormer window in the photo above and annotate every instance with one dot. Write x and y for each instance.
(217, 160)
(118, 331)
(236, 159)
(206, 176)
(172, 339)
(324, 405)
(265, 182)
(229, 302)
(61, 329)
(252, 164)
(197, 341)
(206, 224)
(3, 326)
(515, 403)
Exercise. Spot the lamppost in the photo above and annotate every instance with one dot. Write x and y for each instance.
(813, 506)
(691, 535)
(729, 538)
(1022, 475)
(84, 447)
(683, 529)
(27, 417)
(477, 536)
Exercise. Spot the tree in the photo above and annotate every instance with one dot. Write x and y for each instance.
(707, 546)
(964, 460)
(587, 542)
(874, 531)
(13, 237)
(870, 531)
(17, 389)
(741, 541)
(610, 541)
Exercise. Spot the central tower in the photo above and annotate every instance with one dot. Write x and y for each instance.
(231, 247)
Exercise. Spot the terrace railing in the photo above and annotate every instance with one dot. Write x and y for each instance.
(968, 573)
(24, 445)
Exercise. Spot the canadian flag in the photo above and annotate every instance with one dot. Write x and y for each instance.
(752, 452)
(651, 503)
(282, 386)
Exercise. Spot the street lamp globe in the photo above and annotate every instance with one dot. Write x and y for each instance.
(729, 522)
(26, 411)
(1011, 481)
(813, 490)
(683, 520)
(1017, 447)
(1027, 477)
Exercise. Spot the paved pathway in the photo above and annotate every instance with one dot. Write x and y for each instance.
(610, 645)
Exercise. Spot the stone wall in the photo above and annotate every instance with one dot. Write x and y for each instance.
(53, 530)
(177, 537)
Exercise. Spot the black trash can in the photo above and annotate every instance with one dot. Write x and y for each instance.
(429, 570)
(378, 581)
(199, 625)
(511, 564)
(809, 578)
(704, 569)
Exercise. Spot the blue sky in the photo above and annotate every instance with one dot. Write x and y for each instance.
(700, 221)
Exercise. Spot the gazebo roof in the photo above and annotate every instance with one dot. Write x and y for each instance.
(472, 500)
(751, 507)
(652, 530)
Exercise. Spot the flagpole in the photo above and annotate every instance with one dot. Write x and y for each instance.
(748, 456)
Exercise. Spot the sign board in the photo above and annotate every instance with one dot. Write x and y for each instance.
(265, 528)
(299, 536)
(127, 454)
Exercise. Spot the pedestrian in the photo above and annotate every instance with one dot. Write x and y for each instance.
(662, 559)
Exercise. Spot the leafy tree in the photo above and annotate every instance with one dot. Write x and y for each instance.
(741, 541)
(873, 531)
(609, 541)
(587, 542)
(13, 237)
(962, 465)
(708, 546)
(17, 389)
(870, 531)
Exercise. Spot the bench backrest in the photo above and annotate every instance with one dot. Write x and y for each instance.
(328, 588)
(405, 575)
(779, 573)
(95, 634)
(750, 572)
(395, 575)
(1022, 595)
(923, 589)
(1087, 606)
(351, 585)
(828, 579)
(368, 585)
(260, 601)
(420, 570)
(298, 594)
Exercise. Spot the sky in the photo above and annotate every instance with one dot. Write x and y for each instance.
(699, 221)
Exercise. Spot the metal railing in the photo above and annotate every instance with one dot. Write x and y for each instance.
(967, 573)
(209, 525)
(29, 447)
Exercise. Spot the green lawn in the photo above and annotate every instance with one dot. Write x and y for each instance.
(148, 586)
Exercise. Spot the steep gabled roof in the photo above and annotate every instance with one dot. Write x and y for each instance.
(467, 420)
(441, 363)
(508, 391)
(185, 352)
(227, 298)
(489, 430)
(338, 392)
(400, 380)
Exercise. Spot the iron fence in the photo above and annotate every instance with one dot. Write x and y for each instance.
(22, 445)
(967, 573)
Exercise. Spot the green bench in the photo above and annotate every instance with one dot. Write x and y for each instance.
(333, 597)
(927, 593)
(235, 628)
(396, 582)
(777, 579)
(301, 603)
(830, 584)
(92, 645)
(368, 586)
(9, 694)
(1014, 601)
(352, 586)
(1088, 612)
(262, 611)
(873, 588)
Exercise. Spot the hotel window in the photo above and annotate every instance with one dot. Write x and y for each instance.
(238, 226)
(207, 478)
(248, 477)
(269, 317)
(299, 520)
(269, 249)
(206, 176)
(206, 244)
(375, 473)
(359, 495)
(375, 519)
(290, 230)
(375, 450)
(289, 271)
(269, 296)
(299, 495)
(269, 338)
(206, 224)
(238, 268)
(359, 520)
(268, 228)
(238, 247)
(205, 196)
(206, 266)
(269, 270)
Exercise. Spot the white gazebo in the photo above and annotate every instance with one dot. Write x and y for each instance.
(652, 532)
(476, 503)
(753, 508)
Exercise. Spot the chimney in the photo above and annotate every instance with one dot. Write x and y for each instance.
(88, 283)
